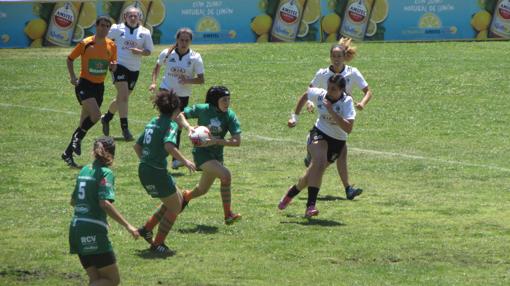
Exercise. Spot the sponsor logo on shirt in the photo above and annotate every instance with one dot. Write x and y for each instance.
(81, 209)
(104, 182)
(215, 126)
(89, 242)
(128, 44)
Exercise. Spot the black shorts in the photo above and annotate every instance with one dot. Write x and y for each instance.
(97, 260)
(123, 74)
(335, 146)
(182, 100)
(87, 89)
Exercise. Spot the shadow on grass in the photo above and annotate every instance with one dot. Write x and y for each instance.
(313, 221)
(205, 229)
(148, 254)
(121, 139)
(177, 174)
(326, 198)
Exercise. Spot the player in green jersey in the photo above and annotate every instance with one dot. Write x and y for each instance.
(220, 119)
(157, 141)
(92, 199)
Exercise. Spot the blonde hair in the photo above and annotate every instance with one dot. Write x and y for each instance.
(349, 50)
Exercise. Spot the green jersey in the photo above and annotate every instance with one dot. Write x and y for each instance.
(94, 183)
(219, 123)
(159, 131)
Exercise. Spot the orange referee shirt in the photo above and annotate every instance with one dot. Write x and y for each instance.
(95, 58)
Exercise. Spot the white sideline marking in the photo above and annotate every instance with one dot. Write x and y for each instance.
(265, 138)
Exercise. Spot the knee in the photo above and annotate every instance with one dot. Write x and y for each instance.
(226, 178)
(94, 117)
(319, 164)
(122, 97)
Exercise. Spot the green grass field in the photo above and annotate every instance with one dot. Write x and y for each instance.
(431, 152)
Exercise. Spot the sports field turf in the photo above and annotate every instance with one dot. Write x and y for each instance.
(431, 152)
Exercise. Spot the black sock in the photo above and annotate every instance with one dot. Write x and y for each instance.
(293, 191)
(86, 125)
(313, 192)
(124, 123)
(178, 141)
(108, 116)
(69, 149)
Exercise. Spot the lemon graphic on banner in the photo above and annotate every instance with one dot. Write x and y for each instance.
(263, 5)
(379, 10)
(303, 29)
(207, 24)
(37, 43)
(88, 15)
(264, 38)
(79, 33)
(371, 29)
(331, 23)
(481, 20)
(156, 13)
(261, 24)
(331, 38)
(312, 11)
(482, 35)
(429, 20)
(35, 28)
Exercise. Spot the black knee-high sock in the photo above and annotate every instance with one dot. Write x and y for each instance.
(313, 192)
(178, 141)
(85, 126)
(108, 116)
(124, 123)
(293, 191)
(69, 149)
(79, 133)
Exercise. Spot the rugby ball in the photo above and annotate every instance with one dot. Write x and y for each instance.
(200, 135)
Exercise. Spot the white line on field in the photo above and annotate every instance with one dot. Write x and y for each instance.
(270, 139)
(390, 154)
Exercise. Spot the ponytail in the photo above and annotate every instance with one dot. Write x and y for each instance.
(104, 150)
(349, 50)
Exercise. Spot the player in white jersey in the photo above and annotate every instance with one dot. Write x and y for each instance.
(183, 67)
(133, 41)
(326, 139)
(339, 54)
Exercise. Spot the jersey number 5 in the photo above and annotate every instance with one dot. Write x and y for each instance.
(81, 190)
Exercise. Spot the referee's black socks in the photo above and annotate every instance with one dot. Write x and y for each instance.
(124, 123)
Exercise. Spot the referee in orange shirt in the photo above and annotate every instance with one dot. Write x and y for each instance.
(98, 54)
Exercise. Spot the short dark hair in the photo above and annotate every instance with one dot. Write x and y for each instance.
(103, 18)
(215, 93)
(184, 31)
(338, 80)
(166, 102)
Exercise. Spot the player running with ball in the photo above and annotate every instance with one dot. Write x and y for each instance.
(326, 139)
(220, 119)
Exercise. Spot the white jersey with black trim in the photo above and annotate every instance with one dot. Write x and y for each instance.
(351, 74)
(187, 65)
(325, 122)
(126, 38)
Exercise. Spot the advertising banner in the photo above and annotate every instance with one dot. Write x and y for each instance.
(64, 23)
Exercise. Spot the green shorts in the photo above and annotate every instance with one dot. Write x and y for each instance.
(157, 182)
(86, 238)
(202, 155)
